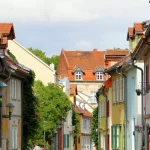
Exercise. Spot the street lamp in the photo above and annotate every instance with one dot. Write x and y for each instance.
(10, 107)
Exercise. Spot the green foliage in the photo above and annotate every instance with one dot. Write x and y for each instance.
(53, 105)
(12, 56)
(94, 125)
(76, 123)
(48, 60)
(30, 123)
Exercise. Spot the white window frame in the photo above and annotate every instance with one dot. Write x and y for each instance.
(16, 89)
(99, 76)
(120, 89)
(93, 97)
(14, 138)
(78, 75)
(114, 91)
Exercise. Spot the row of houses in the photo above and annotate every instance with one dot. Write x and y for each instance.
(123, 100)
(13, 75)
(85, 73)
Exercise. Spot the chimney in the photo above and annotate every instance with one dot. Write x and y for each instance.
(95, 49)
(52, 66)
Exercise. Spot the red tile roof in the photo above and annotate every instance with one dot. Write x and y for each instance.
(120, 63)
(138, 27)
(120, 52)
(11, 62)
(83, 112)
(86, 113)
(7, 29)
(78, 110)
(87, 60)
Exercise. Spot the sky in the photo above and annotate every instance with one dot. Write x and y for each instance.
(51, 25)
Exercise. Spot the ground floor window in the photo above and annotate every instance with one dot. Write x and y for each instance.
(86, 142)
(14, 138)
(116, 136)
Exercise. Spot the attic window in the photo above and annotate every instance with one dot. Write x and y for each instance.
(78, 75)
(99, 76)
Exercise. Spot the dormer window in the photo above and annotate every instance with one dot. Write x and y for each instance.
(78, 75)
(99, 76)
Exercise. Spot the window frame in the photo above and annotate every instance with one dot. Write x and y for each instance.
(99, 75)
(78, 75)
(14, 138)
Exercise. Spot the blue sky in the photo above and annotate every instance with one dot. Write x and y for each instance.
(51, 25)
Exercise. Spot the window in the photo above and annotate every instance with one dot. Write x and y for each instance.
(114, 90)
(16, 89)
(118, 90)
(14, 138)
(84, 123)
(147, 77)
(99, 76)
(130, 45)
(136, 39)
(93, 97)
(103, 109)
(115, 136)
(78, 75)
(66, 140)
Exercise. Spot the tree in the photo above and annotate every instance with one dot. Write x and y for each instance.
(48, 60)
(52, 108)
(94, 129)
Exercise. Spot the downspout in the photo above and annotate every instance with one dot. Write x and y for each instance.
(125, 105)
(106, 144)
(142, 92)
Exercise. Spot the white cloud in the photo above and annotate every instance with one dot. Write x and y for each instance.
(83, 45)
(71, 10)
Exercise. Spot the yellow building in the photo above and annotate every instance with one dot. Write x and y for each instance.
(116, 106)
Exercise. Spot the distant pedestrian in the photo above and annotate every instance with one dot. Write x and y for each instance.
(37, 147)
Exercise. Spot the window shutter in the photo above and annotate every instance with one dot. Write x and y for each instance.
(114, 89)
(67, 140)
(12, 89)
(121, 89)
(64, 140)
(13, 138)
(108, 108)
(15, 90)
(117, 91)
(147, 77)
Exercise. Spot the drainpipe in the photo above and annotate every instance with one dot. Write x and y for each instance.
(106, 144)
(142, 92)
(125, 105)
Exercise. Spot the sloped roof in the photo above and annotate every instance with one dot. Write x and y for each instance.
(86, 113)
(119, 63)
(83, 112)
(15, 65)
(138, 27)
(87, 60)
(6, 29)
(120, 52)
